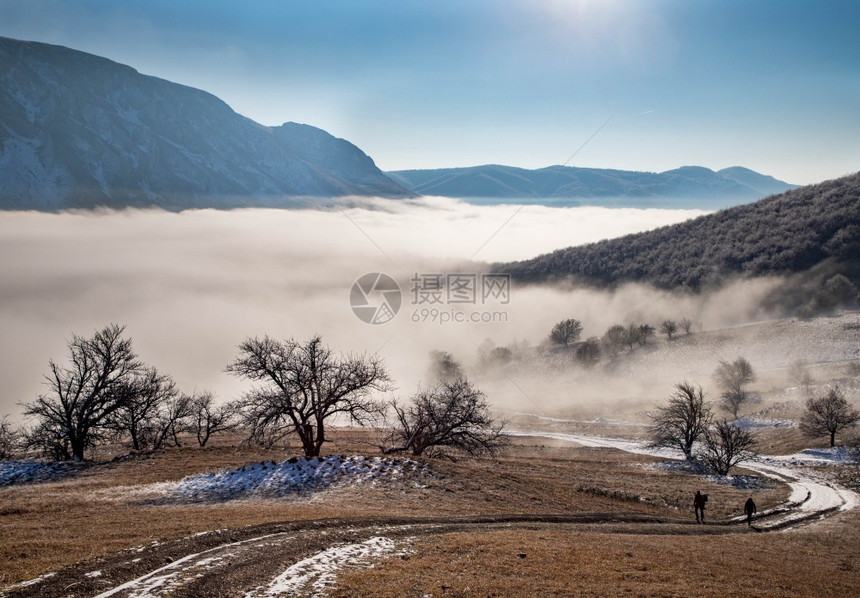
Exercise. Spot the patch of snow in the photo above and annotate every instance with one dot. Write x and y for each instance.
(838, 454)
(743, 482)
(25, 472)
(93, 574)
(30, 582)
(164, 579)
(683, 466)
(756, 423)
(294, 476)
(314, 575)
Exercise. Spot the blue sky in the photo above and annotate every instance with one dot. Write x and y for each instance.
(771, 85)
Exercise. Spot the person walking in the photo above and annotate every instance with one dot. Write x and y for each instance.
(749, 510)
(699, 506)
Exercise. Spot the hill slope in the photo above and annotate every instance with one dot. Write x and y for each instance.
(561, 185)
(77, 130)
(787, 233)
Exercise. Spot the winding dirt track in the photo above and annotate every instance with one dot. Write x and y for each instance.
(237, 562)
(810, 498)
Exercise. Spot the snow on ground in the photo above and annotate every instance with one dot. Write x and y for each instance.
(758, 423)
(294, 476)
(314, 575)
(25, 472)
(824, 456)
(164, 580)
(743, 482)
(811, 493)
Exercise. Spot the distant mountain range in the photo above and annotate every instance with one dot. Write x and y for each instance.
(686, 187)
(813, 227)
(79, 131)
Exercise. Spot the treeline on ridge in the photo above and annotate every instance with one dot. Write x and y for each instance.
(788, 233)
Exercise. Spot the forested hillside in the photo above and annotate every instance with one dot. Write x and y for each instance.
(786, 233)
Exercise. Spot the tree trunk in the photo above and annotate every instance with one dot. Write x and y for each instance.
(77, 449)
(135, 440)
(832, 439)
(306, 433)
(320, 440)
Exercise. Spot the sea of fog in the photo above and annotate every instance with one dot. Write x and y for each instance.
(191, 286)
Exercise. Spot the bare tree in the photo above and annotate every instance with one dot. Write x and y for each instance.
(303, 386)
(686, 324)
(143, 400)
(588, 353)
(614, 339)
(731, 401)
(680, 423)
(669, 327)
(566, 332)
(800, 375)
(10, 439)
(828, 415)
(646, 333)
(453, 415)
(733, 378)
(49, 439)
(174, 418)
(83, 395)
(725, 445)
(443, 366)
(211, 419)
(632, 335)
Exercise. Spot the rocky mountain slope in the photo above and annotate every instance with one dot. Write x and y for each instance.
(79, 131)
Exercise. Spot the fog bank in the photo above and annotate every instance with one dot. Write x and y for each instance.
(191, 286)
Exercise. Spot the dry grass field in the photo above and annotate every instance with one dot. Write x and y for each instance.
(109, 506)
(821, 560)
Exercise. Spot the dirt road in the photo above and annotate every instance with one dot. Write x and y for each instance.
(301, 558)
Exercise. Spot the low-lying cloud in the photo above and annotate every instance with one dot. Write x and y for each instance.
(190, 286)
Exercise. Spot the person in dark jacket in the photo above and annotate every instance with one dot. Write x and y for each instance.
(749, 510)
(699, 506)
